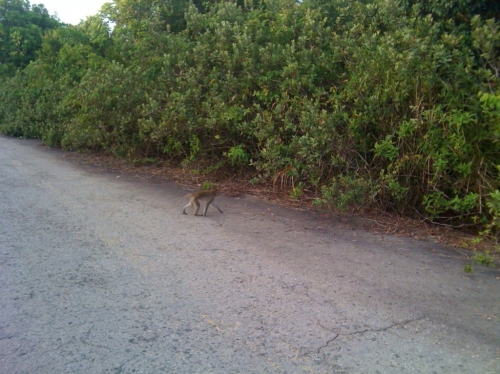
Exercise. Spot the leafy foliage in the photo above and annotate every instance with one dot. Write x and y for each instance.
(21, 30)
(385, 102)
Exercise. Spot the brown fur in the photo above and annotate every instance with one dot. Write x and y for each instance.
(194, 200)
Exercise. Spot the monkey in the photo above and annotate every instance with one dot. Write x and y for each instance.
(208, 195)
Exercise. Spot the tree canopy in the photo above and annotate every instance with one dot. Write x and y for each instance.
(21, 29)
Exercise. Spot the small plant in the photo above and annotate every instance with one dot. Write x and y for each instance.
(468, 268)
(476, 241)
(483, 259)
(145, 161)
(194, 147)
(297, 191)
(237, 156)
(208, 185)
(343, 191)
(210, 169)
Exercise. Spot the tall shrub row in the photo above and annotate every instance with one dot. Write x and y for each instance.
(386, 102)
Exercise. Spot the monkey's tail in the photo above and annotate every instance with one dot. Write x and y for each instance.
(180, 201)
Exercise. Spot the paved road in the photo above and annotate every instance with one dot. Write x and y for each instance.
(100, 273)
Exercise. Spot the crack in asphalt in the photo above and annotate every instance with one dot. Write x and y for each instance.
(84, 339)
(337, 334)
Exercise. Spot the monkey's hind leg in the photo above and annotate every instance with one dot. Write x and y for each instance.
(196, 204)
(215, 206)
(184, 210)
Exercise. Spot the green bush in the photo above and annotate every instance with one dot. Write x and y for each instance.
(362, 102)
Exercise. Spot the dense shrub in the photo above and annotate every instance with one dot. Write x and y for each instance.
(386, 102)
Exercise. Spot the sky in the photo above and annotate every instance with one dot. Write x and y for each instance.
(72, 11)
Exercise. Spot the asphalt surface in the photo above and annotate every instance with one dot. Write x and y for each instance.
(101, 273)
